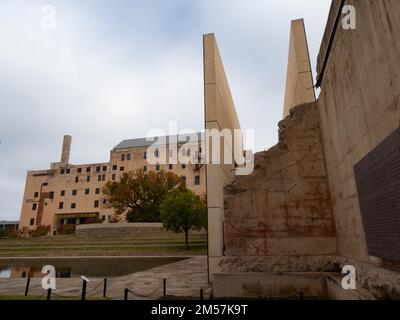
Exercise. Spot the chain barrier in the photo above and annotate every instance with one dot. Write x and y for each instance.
(78, 296)
(146, 295)
(41, 296)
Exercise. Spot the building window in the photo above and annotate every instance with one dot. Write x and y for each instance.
(99, 177)
(170, 167)
(74, 192)
(115, 167)
(103, 177)
(62, 171)
(197, 180)
(73, 205)
(188, 153)
(158, 167)
(62, 193)
(183, 179)
(145, 168)
(156, 153)
(36, 195)
(128, 156)
(97, 190)
(104, 201)
(68, 171)
(113, 177)
(34, 206)
(61, 205)
(184, 166)
(79, 170)
(87, 191)
(32, 222)
(88, 169)
(104, 168)
(76, 179)
(145, 155)
(103, 218)
(88, 179)
(121, 169)
(122, 157)
(98, 169)
(96, 203)
(51, 195)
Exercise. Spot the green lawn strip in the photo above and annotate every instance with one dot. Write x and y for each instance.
(95, 241)
(147, 247)
(19, 297)
(116, 251)
(28, 245)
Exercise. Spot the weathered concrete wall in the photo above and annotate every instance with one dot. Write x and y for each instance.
(359, 106)
(220, 114)
(299, 81)
(283, 207)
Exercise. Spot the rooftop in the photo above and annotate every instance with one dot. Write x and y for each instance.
(146, 142)
(8, 222)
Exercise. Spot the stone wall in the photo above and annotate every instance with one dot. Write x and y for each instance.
(359, 107)
(140, 230)
(283, 207)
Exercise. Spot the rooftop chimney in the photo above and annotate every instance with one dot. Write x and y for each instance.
(66, 148)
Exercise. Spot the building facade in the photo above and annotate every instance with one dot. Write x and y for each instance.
(68, 193)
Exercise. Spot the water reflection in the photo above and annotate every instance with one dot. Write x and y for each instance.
(75, 267)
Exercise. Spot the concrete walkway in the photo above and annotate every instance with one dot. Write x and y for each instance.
(184, 279)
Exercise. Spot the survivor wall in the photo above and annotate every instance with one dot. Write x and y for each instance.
(359, 107)
(283, 208)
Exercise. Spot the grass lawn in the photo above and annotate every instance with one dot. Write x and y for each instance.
(19, 297)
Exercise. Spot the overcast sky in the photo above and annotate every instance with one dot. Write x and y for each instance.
(115, 69)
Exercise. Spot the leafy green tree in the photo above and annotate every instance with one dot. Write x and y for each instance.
(139, 194)
(182, 211)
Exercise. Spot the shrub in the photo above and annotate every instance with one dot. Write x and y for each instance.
(68, 228)
(40, 231)
(115, 219)
(8, 233)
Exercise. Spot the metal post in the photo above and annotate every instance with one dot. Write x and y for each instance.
(84, 289)
(27, 286)
(201, 295)
(105, 288)
(164, 287)
(126, 294)
(48, 294)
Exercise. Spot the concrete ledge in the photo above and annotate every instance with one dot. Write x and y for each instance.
(118, 225)
(266, 285)
(317, 285)
(128, 229)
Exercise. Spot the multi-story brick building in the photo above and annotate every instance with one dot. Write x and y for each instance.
(68, 193)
